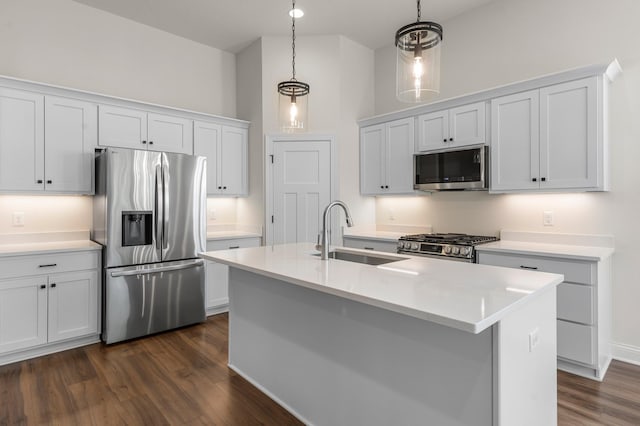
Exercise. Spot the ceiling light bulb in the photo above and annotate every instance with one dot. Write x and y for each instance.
(293, 111)
(296, 13)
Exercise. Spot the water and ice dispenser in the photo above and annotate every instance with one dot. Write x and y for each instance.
(137, 228)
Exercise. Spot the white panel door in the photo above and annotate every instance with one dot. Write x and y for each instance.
(372, 159)
(122, 127)
(433, 131)
(21, 141)
(232, 163)
(400, 146)
(23, 313)
(467, 124)
(169, 134)
(568, 135)
(73, 305)
(71, 134)
(206, 142)
(301, 189)
(515, 142)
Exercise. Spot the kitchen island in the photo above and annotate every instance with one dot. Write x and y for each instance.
(413, 341)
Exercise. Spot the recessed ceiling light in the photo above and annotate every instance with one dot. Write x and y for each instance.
(296, 13)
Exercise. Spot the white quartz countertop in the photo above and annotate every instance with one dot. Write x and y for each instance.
(231, 234)
(34, 248)
(565, 251)
(464, 296)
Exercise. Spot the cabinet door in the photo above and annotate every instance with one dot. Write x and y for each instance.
(568, 135)
(217, 288)
(399, 150)
(170, 134)
(232, 161)
(206, 142)
(21, 141)
(433, 131)
(515, 142)
(23, 313)
(122, 127)
(71, 133)
(467, 124)
(372, 159)
(73, 305)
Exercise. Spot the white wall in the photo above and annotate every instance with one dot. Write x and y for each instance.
(512, 40)
(69, 44)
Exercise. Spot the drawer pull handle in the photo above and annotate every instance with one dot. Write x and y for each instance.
(48, 265)
(234, 247)
(369, 248)
(533, 268)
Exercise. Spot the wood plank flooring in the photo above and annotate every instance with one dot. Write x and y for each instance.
(181, 378)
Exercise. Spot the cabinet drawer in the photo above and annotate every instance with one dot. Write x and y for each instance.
(17, 266)
(576, 303)
(576, 342)
(573, 270)
(233, 243)
(376, 245)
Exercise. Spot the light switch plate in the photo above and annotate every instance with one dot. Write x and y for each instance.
(17, 219)
(547, 218)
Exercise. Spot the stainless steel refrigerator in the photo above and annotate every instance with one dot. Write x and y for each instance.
(149, 214)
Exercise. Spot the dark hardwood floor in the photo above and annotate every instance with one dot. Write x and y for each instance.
(181, 378)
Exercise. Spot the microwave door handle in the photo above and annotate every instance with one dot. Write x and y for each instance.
(158, 207)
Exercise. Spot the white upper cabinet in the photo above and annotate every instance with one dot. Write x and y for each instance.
(71, 132)
(46, 143)
(386, 158)
(548, 139)
(138, 129)
(21, 141)
(226, 149)
(455, 127)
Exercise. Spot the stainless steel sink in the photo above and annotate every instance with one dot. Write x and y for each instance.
(367, 259)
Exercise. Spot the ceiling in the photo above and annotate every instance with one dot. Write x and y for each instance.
(232, 25)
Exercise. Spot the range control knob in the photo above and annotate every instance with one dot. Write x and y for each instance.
(465, 251)
(400, 244)
(447, 249)
(455, 250)
(414, 246)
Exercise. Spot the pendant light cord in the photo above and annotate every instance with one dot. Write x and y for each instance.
(418, 20)
(293, 41)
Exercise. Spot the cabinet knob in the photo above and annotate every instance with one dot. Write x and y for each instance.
(381, 186)
(219, 187)
(450, 139)
(534, 180)
(53, 285)
(39, 181)
(150, 142)
(224, 187)
(386, 187)
(444, 140)
(49, 181)
(43, 286)
(144, 142)
(543, 179)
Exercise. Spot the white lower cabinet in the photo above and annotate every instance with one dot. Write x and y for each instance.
(583, 308)
(217, 275)
(46, 300)
(370, 244)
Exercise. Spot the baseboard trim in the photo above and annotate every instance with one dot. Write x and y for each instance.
(48, 349)
(626, 353)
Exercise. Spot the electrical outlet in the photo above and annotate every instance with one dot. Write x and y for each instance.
(18, 219)
(391, 215)
(547, 218)
(534, 339)
(212, 214)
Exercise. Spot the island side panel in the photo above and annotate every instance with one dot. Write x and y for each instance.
(526, 364)
(333, 361)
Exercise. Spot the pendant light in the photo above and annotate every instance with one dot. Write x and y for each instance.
(293, 97)
(418, 60)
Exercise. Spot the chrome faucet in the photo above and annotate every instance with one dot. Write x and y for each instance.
(324, 248)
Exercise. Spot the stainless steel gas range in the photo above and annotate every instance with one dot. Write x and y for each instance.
(459, 247)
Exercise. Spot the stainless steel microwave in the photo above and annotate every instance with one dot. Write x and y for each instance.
(462, 168)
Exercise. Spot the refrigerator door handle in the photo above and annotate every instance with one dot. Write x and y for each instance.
(158, 213)
(165, 199)
(146, 271)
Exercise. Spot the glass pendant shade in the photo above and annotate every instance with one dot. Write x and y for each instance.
(418, 61)
(293, 106)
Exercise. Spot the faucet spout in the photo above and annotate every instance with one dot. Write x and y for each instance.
(325, 229)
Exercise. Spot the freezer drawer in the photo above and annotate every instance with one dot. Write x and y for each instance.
(146, 299)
